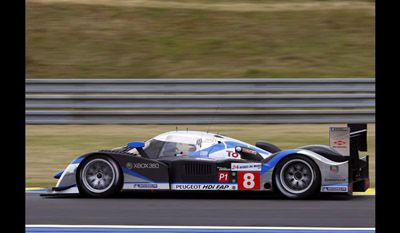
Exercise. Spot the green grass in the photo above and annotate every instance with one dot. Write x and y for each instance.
(50, 148)
(199, 39)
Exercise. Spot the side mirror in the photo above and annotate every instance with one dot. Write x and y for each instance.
(249, 154)
(139, 147)
(136, 144)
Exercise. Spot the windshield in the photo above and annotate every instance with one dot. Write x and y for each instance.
(171, 145)
(155, 148)
(177, 149)
(152, 148)
(180, 145)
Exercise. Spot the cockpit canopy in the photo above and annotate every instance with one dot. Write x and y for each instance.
(177, 143)
(193, 143)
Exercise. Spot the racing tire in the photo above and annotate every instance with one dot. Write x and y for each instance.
(99, 176)
(297, 177)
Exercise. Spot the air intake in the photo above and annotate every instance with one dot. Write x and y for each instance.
(197, 169)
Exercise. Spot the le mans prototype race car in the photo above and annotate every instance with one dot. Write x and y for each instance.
(192, 160)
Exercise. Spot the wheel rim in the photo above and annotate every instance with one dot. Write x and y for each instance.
(98, 175)
(297, 176)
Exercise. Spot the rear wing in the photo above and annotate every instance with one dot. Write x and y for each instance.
(348, 141)
(358, 134)
(358, 167)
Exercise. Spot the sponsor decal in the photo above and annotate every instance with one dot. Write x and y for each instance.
(246, 150)
(334, 189)
(232, 154)
(339, 139)
(146, 165)
(209, 140)
(223, 169)
(223, 177)
(248, 180)
(334, 179)
(129, 165)
(339, 143)
(334, 168)
(246, 166)
(145, 186)
(204, 186)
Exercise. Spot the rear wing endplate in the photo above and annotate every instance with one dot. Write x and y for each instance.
(349, 141)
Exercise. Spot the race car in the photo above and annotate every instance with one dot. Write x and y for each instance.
(203, 161)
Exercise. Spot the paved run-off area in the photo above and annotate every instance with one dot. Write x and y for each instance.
(202, 209)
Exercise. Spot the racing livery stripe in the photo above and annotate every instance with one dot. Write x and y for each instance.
(206, 151)
(129, 172)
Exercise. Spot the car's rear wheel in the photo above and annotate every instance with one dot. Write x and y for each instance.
(297, 177)
(99, 176)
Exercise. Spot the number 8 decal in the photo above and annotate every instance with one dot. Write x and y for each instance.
(248, 180)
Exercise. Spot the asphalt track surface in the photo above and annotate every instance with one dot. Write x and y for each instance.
(202, 209)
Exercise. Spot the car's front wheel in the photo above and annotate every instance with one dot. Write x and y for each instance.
(99, 176)
(297, 177)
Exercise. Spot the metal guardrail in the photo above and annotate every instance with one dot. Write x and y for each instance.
(198, 85)
(253, 101)
(200, 117)
(200, 101)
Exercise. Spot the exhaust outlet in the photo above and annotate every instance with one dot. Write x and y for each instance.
(267, 186)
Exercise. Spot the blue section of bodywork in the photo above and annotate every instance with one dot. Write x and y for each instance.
(272, 162)
(217, 147)
(78, 160)
(58, 175)
(206, 151)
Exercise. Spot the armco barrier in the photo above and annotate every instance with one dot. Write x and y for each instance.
(200, 101)
(134, 101)
(198, 85)
(200, 117)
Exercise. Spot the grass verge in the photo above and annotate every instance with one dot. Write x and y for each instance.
(199, 39)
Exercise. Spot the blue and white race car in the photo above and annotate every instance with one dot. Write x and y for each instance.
(202, 161)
